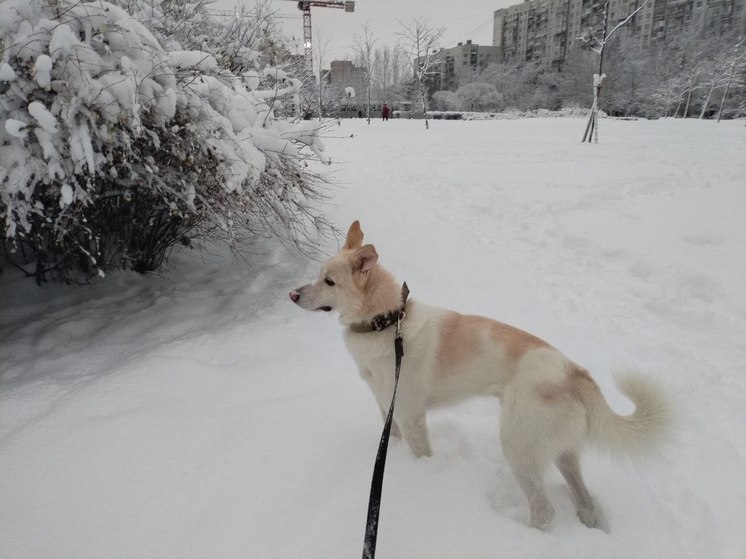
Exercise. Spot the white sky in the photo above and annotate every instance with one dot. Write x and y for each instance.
(464, 20)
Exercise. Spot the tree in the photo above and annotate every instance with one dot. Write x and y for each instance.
(597, 40)
(237, 42)
(716, 77)
(668, 94)
(687, 52)
(381, 73)
(363, 47)
(445, 100)
(629, 83)
(737, 60)
(479, 96)
(419, 41)
(113, 149)
(391, 74)
(321, 52)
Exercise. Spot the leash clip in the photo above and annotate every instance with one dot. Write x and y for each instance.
(400, 318)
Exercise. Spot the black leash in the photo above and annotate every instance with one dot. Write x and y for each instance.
(376, 486)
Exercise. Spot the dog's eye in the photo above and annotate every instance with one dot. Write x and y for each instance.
(329, 282)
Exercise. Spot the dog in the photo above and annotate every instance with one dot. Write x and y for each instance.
(549, 405)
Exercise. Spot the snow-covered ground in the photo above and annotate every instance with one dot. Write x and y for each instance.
(197, 413)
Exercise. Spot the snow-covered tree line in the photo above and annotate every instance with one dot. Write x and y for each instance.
(389, 68)
(689, 75)
(125, 129)
(391, 72)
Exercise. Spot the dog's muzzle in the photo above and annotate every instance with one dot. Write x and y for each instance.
(295, 298)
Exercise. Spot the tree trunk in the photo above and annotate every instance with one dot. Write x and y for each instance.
(689, 95)
(725, 93)
(319, 98)
(668, 105)
(709, 96)
(592, 126)
(591, 118)
(423, 95)
(678, 106)
(368, 100)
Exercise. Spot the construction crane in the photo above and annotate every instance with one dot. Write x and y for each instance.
(305, 6)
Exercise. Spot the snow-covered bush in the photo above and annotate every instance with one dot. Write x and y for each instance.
(445, 100)
(513, 114)
(112, 149)
(478, 96)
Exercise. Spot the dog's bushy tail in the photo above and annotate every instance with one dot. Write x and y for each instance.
(641, 433)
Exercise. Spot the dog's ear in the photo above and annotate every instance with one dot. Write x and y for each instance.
(354, 236)
(365, 258)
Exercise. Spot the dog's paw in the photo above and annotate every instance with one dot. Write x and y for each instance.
(542, 516)
(593, 518)
(588, 516)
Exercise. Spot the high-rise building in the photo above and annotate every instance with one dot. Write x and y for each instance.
(545, 30)
(343, 73)
(456, 65)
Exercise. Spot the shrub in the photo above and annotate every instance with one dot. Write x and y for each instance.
(112, 150)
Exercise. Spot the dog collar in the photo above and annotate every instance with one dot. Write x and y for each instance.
(384, 320)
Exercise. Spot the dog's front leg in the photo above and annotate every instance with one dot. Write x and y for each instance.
(381, 398)
(410, 411)
(414, 430)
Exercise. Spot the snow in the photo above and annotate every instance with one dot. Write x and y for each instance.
(66, 195)
(252, 79)
(42, 69)
(62, 41)
(193, 60)
(81, 149)
(7, 74)
(16, 128)
(43, 117)
(198, 413)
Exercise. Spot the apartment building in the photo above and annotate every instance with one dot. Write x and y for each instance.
(343, 73)
(457, 64)
(544, 31)
(453, 66)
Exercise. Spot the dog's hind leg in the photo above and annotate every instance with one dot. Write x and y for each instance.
(526, 452)
(529, 475)
(569, 467)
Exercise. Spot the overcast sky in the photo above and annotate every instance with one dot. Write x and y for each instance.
(466, 19)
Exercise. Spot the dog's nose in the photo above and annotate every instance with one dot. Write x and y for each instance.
(294, 296)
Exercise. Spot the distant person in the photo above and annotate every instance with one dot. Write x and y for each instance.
(360, 114)
(385, 112)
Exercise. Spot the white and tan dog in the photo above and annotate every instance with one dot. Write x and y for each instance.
(549, 405)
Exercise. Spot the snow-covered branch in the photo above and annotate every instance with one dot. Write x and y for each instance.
(624, 22)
